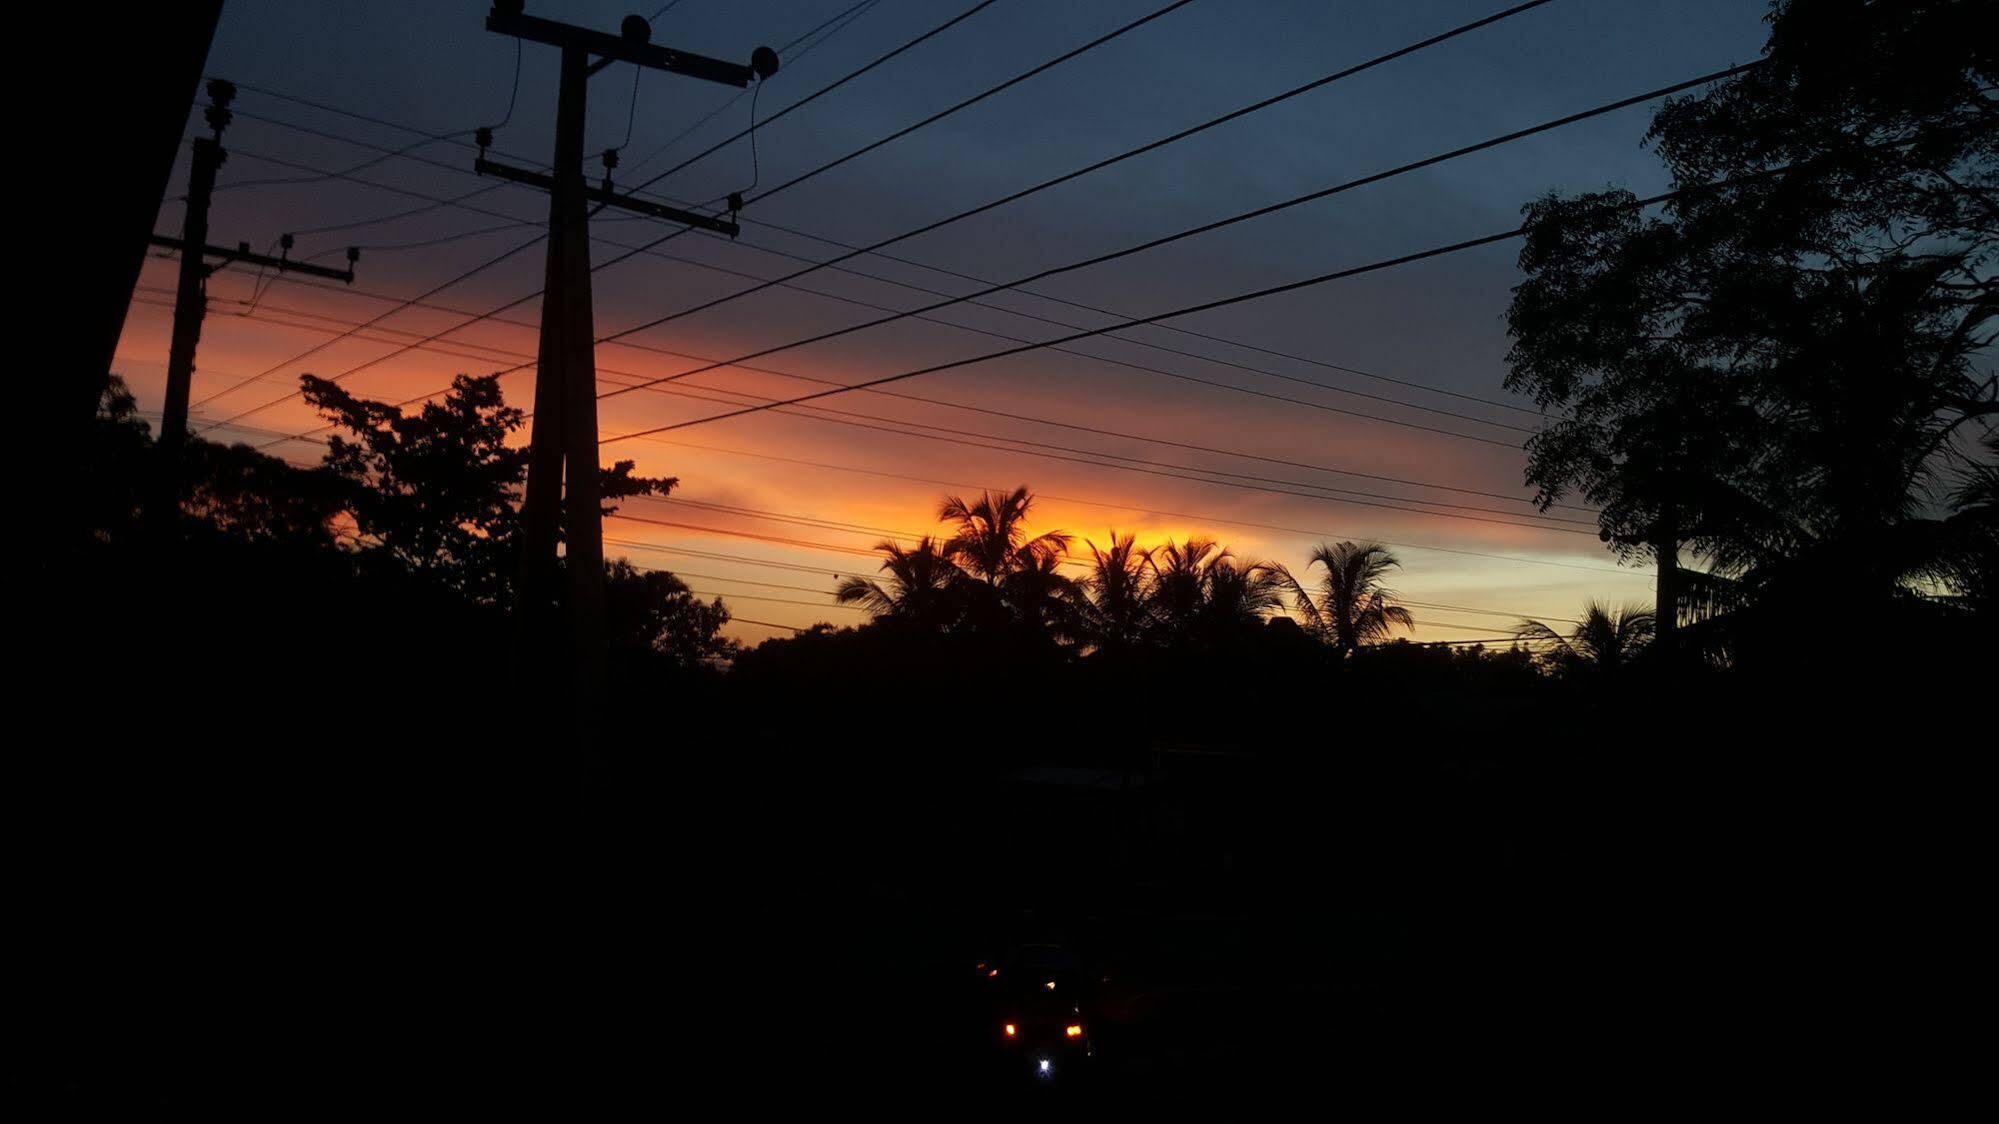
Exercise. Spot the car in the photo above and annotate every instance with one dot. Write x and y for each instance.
(1039, 1006)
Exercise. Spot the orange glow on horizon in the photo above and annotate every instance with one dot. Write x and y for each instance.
(888, 483)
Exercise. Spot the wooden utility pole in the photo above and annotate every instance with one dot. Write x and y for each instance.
(561, 501)
(191, 298)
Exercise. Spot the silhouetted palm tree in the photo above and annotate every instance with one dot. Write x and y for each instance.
(1016, 580)
(1242, 594)
(991, 538)
(1114, 609)
(918, 587)
(1604, 641)
(1200, 592)
(1180, 582)
(1353, 607)
(1037, 593)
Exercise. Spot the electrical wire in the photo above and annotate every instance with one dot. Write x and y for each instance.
(613, 261)
(1205, 306)
(1203, 228)
(1096, 457)
(975, 99)
(833, 265)
(652, 250)
(843, 18)
(822, 91)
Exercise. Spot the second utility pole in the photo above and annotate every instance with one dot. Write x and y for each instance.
(191, 295)
(562, 501)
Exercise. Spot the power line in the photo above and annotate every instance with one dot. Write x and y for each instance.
(1210, 337)
(845, 19)
(1111, 505)
(778, 540)
(651, 249)
(432, 291)
(1015, 440)
(776, 600)
(1204, 228)
(724, 557)
(1127, 506)
(640, 345)
(981, 96)
(1205, 306)
(632, 544)
(1159, 468)
(1106, 163)
(1351, 70)
(747, 581)
(1086, 501)
(823, 90)
(621, 257)
(832, 264)
(1182, 352)
(734, 619)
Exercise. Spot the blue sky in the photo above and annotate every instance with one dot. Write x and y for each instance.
(433, 67)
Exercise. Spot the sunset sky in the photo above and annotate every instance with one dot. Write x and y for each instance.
(772, 508)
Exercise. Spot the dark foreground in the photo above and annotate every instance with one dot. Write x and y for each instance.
(348, 877)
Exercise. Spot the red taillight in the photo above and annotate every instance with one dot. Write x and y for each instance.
(1073, 1030)
(1011, 1030)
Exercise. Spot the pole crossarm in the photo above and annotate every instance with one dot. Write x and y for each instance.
(242, 253)
(608, 198)
(622, 49)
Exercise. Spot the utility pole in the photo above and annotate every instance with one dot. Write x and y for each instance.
(191, 298)
(562, 444)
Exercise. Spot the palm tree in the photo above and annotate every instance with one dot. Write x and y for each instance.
(1241, 594)
(990, 541)
(918, 587)
(1200, 592)
(1114, 604)
(1353, 607)
(1604, 641)
(1038, 594)
(1180, 582)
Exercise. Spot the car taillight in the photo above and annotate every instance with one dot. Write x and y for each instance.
(1011, 1030)
(1073, 1030)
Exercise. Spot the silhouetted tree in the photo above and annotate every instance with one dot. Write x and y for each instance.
(991, 539)
(1352, 607)
(251, 495)
(1885, 109)
(1114, 608)
(1039, 597)
(990, 544)
(113, 471)
(1777, 373)
(1202, 596)
(1971, 547)
(434, 490)
(651, 613)
(1603, 643)
(437, 491)
(920, 587)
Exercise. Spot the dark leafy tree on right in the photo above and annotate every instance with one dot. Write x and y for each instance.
(1778, 377)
